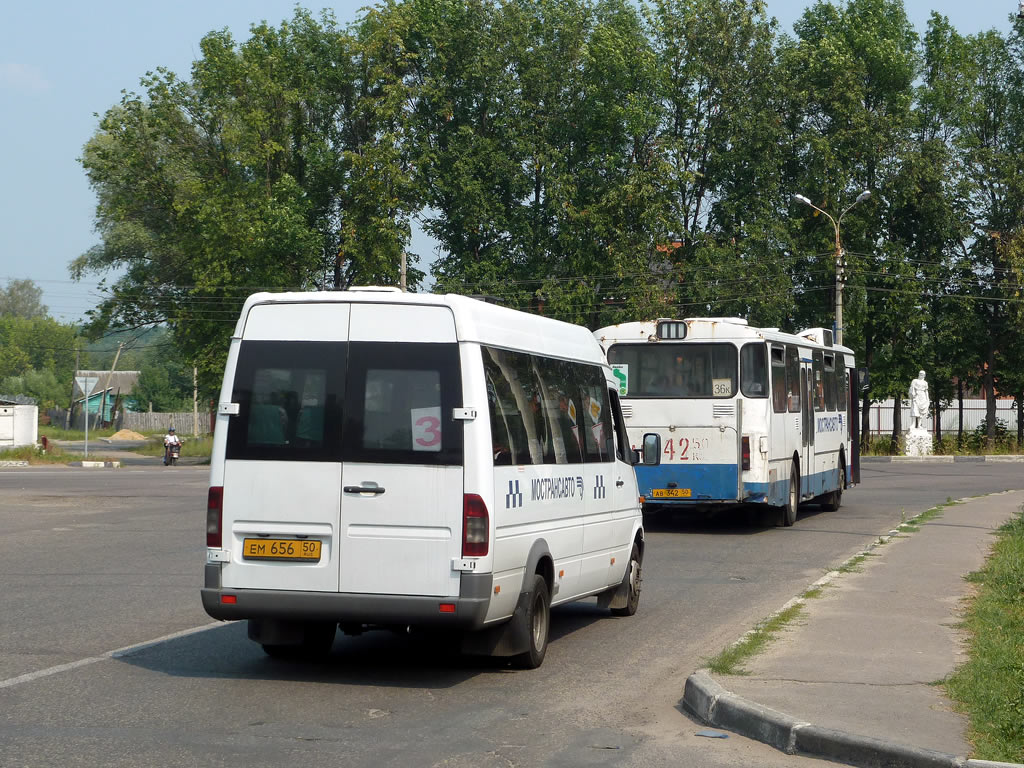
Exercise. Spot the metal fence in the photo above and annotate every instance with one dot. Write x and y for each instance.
(974, 414)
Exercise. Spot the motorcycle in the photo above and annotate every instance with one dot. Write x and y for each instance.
(171, 453)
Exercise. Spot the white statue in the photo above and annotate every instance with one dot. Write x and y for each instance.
(919, 400)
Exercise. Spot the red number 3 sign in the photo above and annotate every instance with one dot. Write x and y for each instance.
(426, 429)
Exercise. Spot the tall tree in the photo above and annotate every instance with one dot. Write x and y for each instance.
(273, 166)
(850, 73)
(723, 144)
(22, 298)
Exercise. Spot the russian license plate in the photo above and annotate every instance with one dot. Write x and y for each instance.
(670, 493)
(281, 549)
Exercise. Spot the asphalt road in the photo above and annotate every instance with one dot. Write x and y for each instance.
(96, 565)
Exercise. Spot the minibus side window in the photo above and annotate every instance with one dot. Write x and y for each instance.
(510, 444)
(561, 410)
(595, 422)
(534, 408)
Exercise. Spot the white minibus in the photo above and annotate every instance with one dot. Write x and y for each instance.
(731, 415)
(393, 460)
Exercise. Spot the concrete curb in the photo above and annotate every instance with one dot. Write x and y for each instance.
(709, 702)
(20, 463)
(96, 464)
(1006, 458)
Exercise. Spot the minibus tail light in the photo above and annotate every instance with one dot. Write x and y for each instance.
(214, 516)
(746, 452)
(475, 526)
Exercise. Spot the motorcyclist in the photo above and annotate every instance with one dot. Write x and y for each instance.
(170, 439)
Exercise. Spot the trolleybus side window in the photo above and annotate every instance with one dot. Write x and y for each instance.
(778, 380)
(818, 387)
(793, 387)
(830, 382)
(753, 370)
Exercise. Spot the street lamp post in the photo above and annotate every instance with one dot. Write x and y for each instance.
(840, 260)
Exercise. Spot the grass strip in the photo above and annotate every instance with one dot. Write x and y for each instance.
(33, 455)
(989, 688)
(728, 661)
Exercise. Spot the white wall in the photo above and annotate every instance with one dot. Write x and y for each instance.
(19, 425)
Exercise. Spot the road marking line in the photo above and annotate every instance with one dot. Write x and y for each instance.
(118, 653)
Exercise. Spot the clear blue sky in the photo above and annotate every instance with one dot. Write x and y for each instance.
(62, 62)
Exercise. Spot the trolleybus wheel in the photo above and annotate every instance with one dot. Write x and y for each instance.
(787, 515)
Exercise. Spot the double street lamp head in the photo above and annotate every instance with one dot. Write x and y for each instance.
(860, 198)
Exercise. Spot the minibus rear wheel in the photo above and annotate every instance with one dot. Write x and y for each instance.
(538, 622)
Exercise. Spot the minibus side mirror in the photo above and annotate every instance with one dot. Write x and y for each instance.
(652, 449)
(634, 456)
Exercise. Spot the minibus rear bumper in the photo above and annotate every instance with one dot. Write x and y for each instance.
(465, 611)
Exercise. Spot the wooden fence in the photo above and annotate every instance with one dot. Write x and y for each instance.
(152, 422)
(138, 422)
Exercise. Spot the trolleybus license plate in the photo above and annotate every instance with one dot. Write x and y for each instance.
(280, 549)
(670, 493)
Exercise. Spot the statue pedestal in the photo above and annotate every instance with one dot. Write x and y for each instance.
(919, 442)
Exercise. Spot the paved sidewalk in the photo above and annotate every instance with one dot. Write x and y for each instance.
(852, 679)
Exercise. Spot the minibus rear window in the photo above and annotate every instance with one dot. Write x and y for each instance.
(289, 395)
(400, 403)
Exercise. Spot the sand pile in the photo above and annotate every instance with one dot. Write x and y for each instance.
(127, 434)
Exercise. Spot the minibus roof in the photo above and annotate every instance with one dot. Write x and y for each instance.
(475, 320)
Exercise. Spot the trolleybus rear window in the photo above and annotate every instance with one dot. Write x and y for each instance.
(676, 370)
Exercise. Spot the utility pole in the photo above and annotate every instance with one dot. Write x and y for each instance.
(404, 267)
(103, 398)
(840, 257)
(840, 284)
(195, 401)
(71, 405)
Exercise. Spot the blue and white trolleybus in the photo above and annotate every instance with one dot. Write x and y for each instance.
(728, 414)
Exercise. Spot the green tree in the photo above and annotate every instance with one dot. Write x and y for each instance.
(167, 388)
(35, 344)
(44, 385)
(22, 298)
(273, 166)
(849, 75)
(723, 141)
